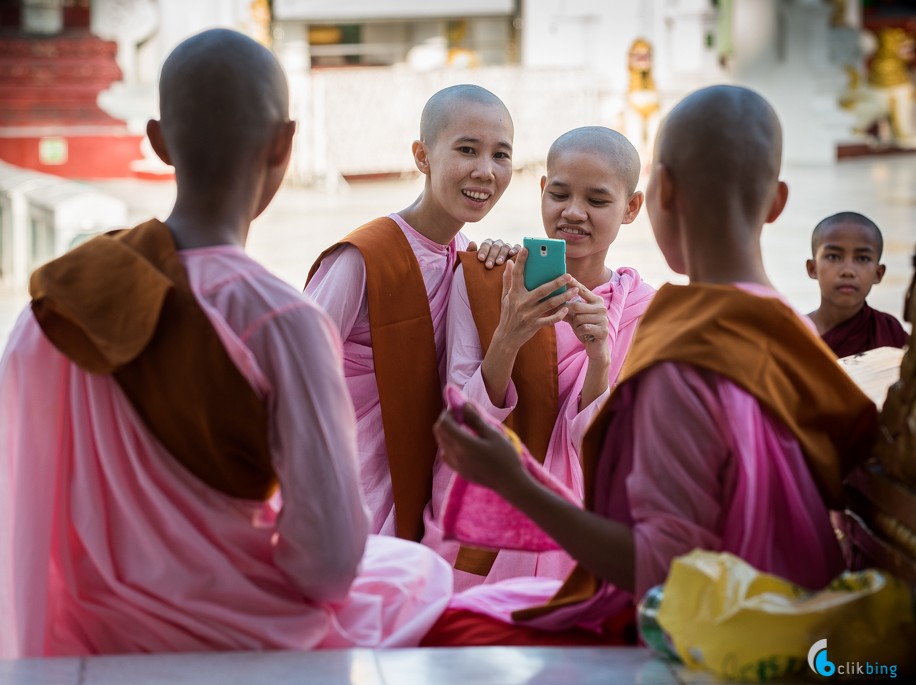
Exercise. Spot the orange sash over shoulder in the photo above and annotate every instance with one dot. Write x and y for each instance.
(121, 305)
(535, 376)
(406, 367)
(759, 344)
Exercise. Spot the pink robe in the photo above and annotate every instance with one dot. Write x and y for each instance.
(144, 557)
(691, 460)
(339, 287)
(626, 298)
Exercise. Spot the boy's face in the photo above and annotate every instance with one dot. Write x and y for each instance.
(846, 264)
(469, 164)
(584, 201)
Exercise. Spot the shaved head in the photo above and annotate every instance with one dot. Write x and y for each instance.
(221, 96)
(723, 140)
(602, 141)
(445, 104)
(822, 230)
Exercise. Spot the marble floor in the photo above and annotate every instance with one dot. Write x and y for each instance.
(463, 666)
(301, 222)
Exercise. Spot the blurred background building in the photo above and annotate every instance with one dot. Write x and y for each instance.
(78, 77)
(78, 84)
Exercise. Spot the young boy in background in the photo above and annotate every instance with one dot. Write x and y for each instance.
(846, 262)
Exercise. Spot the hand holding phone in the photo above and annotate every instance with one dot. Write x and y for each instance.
(524, 312)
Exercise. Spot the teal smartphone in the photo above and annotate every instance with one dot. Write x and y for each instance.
(546, 261)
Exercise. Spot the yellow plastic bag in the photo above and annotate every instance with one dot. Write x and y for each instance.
(723, 615)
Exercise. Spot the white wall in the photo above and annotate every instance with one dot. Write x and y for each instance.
(364, 10)
(597, 34)
(593, 34)
(781, 48)
(181, 18)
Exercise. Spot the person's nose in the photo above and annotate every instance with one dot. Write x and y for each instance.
(483, 169)
(574, 211)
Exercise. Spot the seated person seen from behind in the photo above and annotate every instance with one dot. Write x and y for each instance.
(160, 390)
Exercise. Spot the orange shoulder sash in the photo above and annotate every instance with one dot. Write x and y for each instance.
(406, 367)
(535, 376)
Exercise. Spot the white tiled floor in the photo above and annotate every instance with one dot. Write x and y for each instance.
(240, 668)
(467, 666)
(463, 666)
(40, 672)
(506, 665)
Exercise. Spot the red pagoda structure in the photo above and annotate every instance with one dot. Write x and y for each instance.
(52, 69)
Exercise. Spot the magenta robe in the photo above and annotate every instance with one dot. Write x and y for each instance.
(691, 461)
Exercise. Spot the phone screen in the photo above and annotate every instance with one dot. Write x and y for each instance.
(546, 261)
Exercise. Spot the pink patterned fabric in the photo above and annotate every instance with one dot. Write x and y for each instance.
(107, 544)
(339, 287)
(691, 461)
(626, 298)
(472, 510)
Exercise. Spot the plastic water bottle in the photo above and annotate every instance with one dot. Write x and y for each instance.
(649, 629)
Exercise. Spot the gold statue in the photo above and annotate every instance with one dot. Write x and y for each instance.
(890, 65)
(259, 12)
(889, 76)
(458, 55)
(642, 98)
(838, 17)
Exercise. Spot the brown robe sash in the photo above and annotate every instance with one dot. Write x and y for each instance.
(406, 366)
(120, 305)
(762, 346)
(535, 372)
(535, 375)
